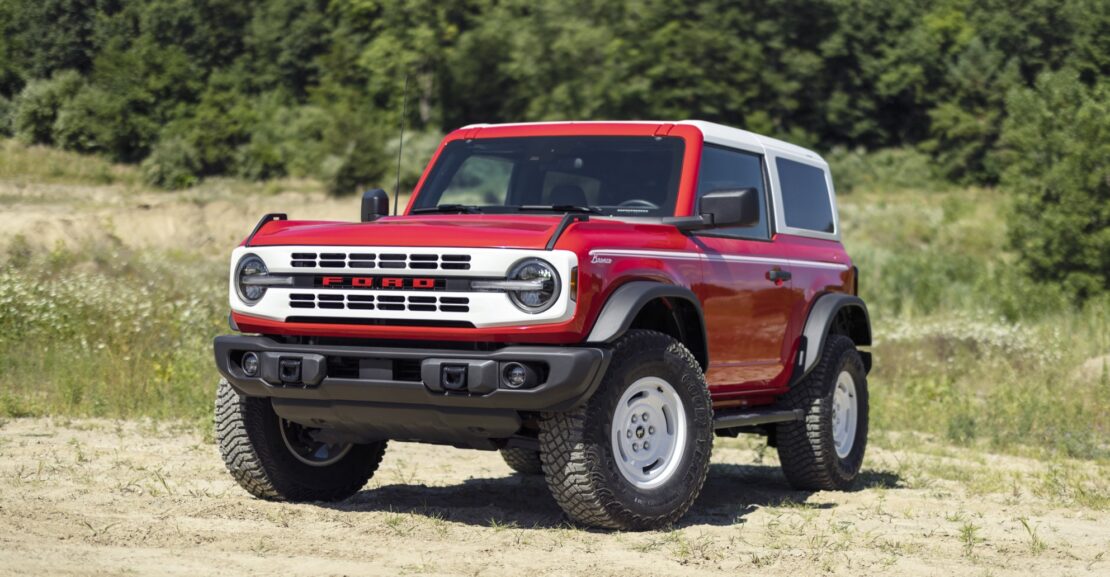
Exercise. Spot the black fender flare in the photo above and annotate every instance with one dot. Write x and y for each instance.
(629, 299)
(820, 320)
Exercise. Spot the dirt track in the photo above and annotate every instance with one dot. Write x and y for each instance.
(103, 497)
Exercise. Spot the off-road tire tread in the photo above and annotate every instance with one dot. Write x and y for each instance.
(808, 457)
(584, 494)
(523, 461)
(257, 470)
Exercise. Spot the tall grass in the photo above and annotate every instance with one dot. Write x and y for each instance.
(22, 165)
(107, 333)
(967, 347)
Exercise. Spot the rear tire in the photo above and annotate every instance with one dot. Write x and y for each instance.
(523, 461)
(824, 451)
(259, 454)
(597, 459)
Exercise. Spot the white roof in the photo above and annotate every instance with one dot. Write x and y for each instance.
(735, 137)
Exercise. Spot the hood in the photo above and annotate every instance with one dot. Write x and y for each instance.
(449, 230)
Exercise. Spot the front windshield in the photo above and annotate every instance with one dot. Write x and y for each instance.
(614, 175)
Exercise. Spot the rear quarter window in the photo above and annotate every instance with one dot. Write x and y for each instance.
(805, 196)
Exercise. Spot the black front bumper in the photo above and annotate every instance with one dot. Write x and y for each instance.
(396, 393)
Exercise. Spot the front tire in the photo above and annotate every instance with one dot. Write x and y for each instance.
(608, 467)
(279, 460)
(824, 451)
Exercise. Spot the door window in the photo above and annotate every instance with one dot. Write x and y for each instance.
(726, 169)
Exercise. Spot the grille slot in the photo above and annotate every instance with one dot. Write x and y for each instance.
(380, 302)
(367, 260)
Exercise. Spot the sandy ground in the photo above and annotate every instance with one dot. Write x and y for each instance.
(106, 497)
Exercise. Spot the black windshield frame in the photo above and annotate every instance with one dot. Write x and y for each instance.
(595, 172)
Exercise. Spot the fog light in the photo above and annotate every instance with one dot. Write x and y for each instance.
(515, 375)
(250, 364)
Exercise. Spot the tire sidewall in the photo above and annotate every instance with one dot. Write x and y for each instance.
(296, 476)
(845, 469)
(663, 363)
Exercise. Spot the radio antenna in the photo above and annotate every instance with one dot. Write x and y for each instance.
(401, 145)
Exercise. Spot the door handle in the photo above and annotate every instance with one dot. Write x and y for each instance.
(778, 276)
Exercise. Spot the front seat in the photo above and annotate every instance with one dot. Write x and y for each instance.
(569, 194)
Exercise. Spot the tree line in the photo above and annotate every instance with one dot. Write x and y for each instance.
(263, 89)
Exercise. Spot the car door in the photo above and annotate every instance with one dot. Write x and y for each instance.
(746, 292)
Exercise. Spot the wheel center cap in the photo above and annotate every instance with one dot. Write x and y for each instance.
(639, 432)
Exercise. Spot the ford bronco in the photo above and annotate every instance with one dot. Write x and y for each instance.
(596, 300)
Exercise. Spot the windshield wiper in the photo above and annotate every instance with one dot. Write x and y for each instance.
(465, 208)
(561, 208)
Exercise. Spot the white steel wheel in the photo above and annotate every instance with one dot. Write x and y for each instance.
(648, 432)
(845, 414)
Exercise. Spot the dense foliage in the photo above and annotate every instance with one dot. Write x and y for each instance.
(264, 89)
(1058, 135)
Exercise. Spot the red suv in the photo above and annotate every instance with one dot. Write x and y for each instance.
(595, 300)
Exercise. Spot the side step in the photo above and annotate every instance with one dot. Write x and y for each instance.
(731, 419)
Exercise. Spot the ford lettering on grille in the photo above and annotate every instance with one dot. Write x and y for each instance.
(379, 282)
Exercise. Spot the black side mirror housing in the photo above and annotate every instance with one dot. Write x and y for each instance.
(738, 207)
(375, 204)
(722, 208)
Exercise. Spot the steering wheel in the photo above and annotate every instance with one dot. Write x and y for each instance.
(638, 203)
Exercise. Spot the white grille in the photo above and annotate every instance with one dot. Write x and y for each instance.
(396, 305)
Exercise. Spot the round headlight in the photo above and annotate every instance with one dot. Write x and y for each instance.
(250, 265)
(545, 278)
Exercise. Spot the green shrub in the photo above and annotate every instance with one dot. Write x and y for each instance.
(1056, 150)
(96, 120)
(5, 116)
(173, 164)
(360, 165)
(37, 106)
(84, 122)
(882, 170)
(420, 145)
(284, 140)
(219, 125)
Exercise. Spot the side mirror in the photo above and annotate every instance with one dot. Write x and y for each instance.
(375, 204)
(721, 208)
(739, 207)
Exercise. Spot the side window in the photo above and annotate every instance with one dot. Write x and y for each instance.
(479, 180)
(805, 196)
(725, 169)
